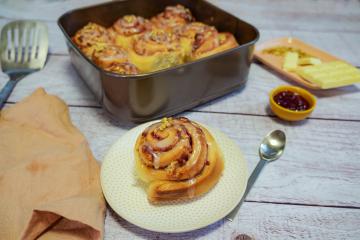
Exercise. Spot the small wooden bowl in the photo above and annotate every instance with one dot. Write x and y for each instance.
(288, 114)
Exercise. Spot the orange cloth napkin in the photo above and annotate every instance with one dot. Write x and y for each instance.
(49, 179)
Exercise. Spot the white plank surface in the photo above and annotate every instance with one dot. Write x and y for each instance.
(60, 78)
(340, 103)
(341, 39)
(313, 191)
(258, 221)
(316, 16)
(50, 10)
(322, 15)
(304, 175)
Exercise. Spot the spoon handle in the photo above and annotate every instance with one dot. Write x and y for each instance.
(250, 183)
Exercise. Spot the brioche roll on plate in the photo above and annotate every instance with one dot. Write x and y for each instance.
(155, 50)
(127, 27)
(177, 159)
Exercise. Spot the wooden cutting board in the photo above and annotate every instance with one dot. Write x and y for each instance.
(276, 62)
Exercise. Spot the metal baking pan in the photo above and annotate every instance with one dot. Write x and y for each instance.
(142, 97)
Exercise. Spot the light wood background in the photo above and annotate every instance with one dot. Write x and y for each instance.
(313, 191)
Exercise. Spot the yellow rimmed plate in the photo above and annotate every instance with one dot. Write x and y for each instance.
(126, 196)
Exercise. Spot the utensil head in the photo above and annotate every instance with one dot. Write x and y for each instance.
(273, 145)
(23, 46)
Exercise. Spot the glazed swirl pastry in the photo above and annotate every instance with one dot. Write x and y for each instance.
(170, 38)
(110, 54)
(208, 43)
(155, 50)
(92, 37)
(127, 27)
(115, 59)
(178, 159)
(191, 32)
(173, 16)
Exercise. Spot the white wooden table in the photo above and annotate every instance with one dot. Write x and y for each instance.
(313, 192)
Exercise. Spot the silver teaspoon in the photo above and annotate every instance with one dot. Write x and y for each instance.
(271, 148)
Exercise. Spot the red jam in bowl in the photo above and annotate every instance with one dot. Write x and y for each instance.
(292, 101)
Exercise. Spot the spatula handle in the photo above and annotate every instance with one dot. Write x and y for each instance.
(8, 88)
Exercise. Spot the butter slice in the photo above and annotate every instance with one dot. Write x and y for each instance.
(330, 74)
(309, 61)
(291, 61)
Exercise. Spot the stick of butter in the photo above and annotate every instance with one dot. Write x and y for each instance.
(291, 61)
(309, 61)
(331, 74)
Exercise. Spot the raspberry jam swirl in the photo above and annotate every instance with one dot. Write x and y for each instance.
(157, 40)
(130, 25)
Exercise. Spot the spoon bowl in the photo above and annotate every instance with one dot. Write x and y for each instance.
(272, 146)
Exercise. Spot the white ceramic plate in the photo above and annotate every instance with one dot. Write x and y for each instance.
(126, 196)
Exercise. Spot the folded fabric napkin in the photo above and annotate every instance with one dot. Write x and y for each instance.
(49, 179)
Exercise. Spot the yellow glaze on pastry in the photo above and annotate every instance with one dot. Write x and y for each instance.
(156, 50)
(157, 61)
(124, 41)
